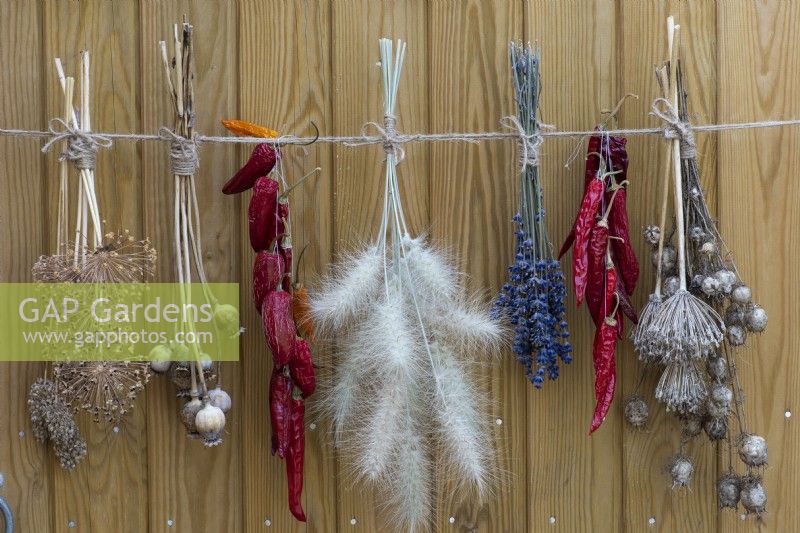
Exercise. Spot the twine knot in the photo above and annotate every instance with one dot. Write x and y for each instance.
(389, 138)
(675, 128)
(81, 147)
(529, 144)
(183, 157)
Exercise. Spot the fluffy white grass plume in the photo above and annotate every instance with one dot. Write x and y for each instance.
(463, 427)
(382, 430)
(409, 498)
(347, 293)
(431, 273)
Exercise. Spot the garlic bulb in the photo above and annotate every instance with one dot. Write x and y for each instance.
(716, 428)
(753, 450)
(670, 286)
(710, 286)
(219, 398)
(160, 358)
(210, 421)
(735, 315)
(726, 280)
(717, 368)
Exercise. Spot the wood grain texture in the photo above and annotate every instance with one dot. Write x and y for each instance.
(472, 198)
(287, 63)
(758, 192)
(25, 463)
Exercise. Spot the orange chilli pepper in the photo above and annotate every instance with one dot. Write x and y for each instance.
(302, 311)
(248, 129)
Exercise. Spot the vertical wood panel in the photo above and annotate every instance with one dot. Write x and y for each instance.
(25, 464)
(758, 194)
(472, 198)
(359, 176)
(198, 488)
(579, 79)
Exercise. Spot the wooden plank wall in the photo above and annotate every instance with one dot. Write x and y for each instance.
(288, 63)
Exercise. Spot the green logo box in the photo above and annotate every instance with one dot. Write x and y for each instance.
(119, 321)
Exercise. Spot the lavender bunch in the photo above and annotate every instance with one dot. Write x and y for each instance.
(533, 298)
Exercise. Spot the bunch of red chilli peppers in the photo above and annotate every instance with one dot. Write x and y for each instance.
(283, 306)
(604, 267)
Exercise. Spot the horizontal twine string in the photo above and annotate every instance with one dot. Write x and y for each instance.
(404, 138)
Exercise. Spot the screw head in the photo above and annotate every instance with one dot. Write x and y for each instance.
(499, 421)
(267, 522)
(788, 414)
(452, 519)
(71, 524)
(170, 522)
(353, 521)
(552, 519)
(651, 520)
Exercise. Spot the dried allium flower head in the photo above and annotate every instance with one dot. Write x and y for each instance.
(52, 420)
(120, 259)
(681, 469)
(636, 412)
(756, 319)
(54, 269)
(753, 450)
(736, 335)
(729, 487)
(754, 497)
(741, 295)
(717, 368)
(105, 389)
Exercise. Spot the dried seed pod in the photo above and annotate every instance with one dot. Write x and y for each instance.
(181, 376)
(729, 487)
(726, 279)
(735, 315)
(226, 318)
(708, 248)
(710, 286)
(691, 426)
(160, 358)
(717, 368)
(652, 234)
(741, 295)
(716, 428)
(188, 414)
(721, 395)
(756, 319)
(753, 495)
(681, 469)
(670, 286)
(219, 398)
(697, 234)
(753, 450)
(209, 422)
(668, 258)
(736, 335)
(636, 412)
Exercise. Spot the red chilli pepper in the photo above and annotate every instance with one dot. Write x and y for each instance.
(592, 168)
(261, 163)
(262, 213)
(625, 304)
(279, 326)
(623, 251)
(596, 274)
(605, 344)
(301, 368)
(583, 226)
(295, 456)
(280, 397)
(267, 275)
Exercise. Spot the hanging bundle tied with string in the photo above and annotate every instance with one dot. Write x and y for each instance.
(189, 368)
(403, 400)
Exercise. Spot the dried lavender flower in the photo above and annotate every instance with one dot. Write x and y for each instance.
(53, 421)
